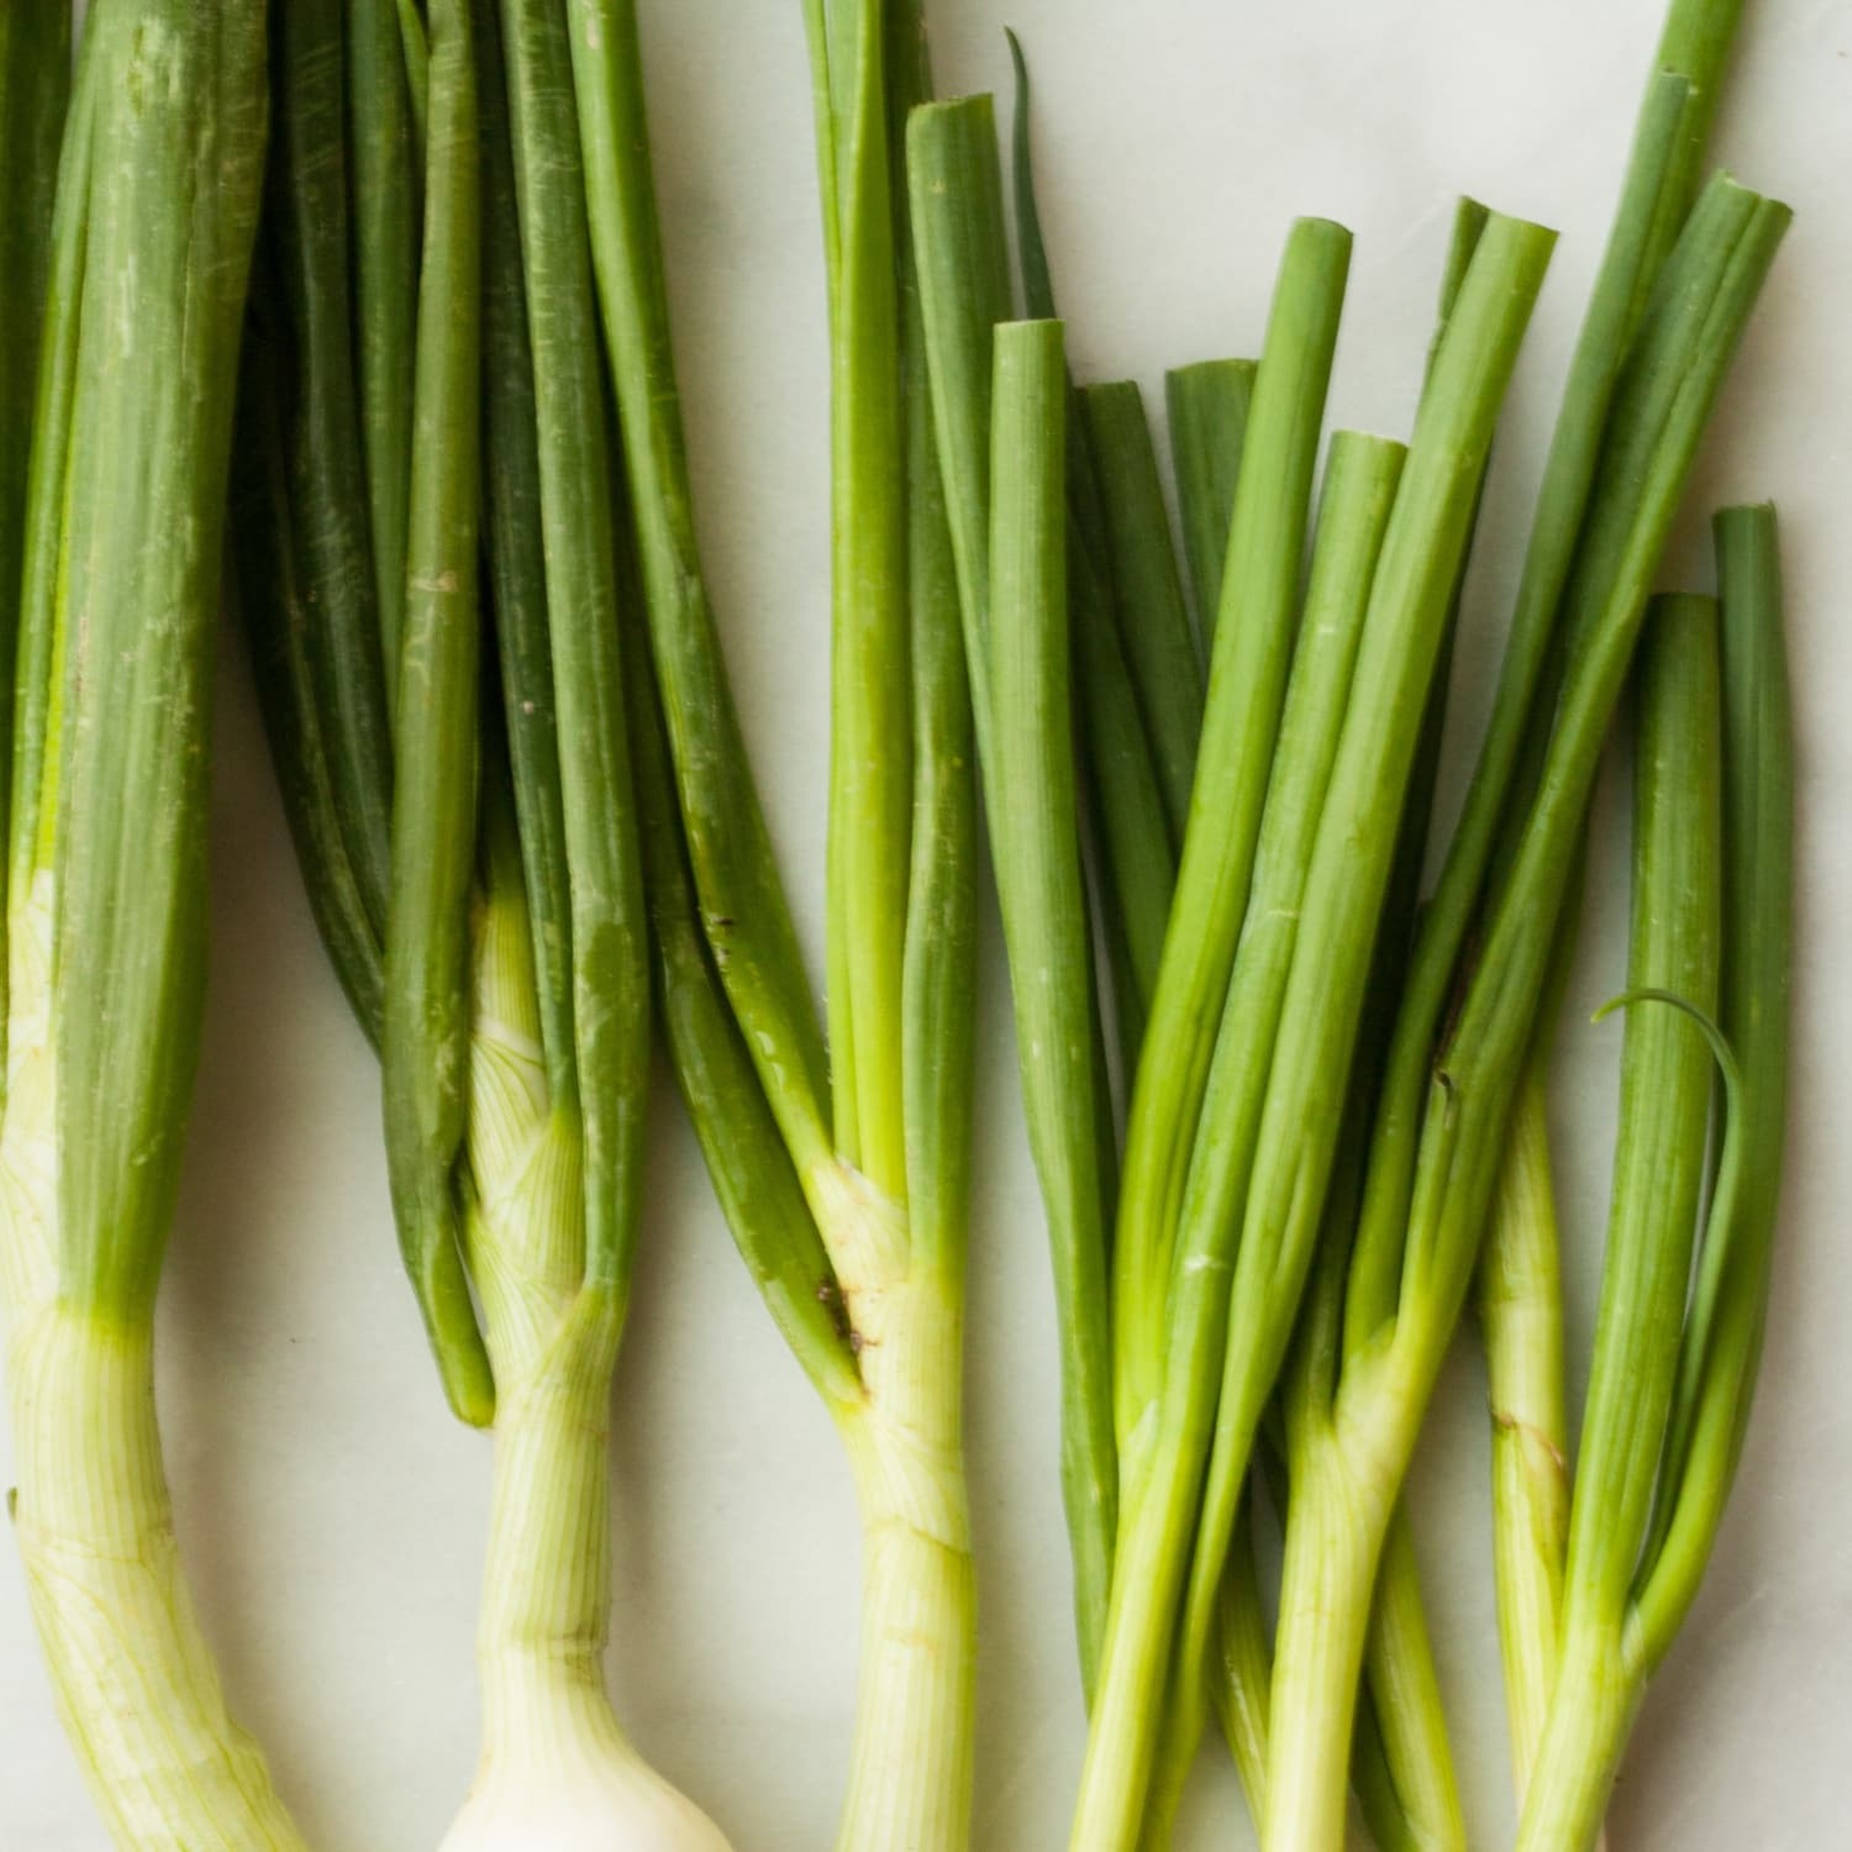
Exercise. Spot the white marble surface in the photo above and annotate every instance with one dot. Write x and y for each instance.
(331, 1512)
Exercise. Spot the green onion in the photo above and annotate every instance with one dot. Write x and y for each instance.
(510, 990)
(425, 1038)
(1020, 693)
(1674, 1371)
(157, 201)
(1659, 1175)
(882, 1164)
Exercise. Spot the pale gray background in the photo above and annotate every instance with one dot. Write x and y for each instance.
(332, 1513)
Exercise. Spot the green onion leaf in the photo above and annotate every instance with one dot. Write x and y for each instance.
(425, 1044)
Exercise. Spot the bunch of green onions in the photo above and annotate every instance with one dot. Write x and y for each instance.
(434, 557)
(1324, 1085)
(1284, 1112)
(116, 409)
(491, 869)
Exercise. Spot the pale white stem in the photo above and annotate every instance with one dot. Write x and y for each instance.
(910, 1776)
(557, 1772)
(135, 1680)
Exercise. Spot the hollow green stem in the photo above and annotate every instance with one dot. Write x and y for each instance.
(1154, 619)
(1208, 404)
(1723, 1342)
(424, 1046)
(1161, 1506)
(1020, 692)
(743, 905)
(382, 171)
(1246, 690)
(1666, 1082)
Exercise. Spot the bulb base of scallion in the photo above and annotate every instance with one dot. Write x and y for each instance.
(135, 1681)
(557, 1773)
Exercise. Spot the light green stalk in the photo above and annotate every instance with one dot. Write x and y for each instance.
(1208, 406)
(870, 768)
(1154, 618)
(156, 209)
(1520, 1308)
(1666, 1083)
(1275, 1106)
(1022, 699)
(1247, 683)
(1673, 1377)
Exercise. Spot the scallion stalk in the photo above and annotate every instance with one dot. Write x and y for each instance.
(1666, 1084)
(1675, 1363)
(156, 208)
(1026, 750)
(882, 1161)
